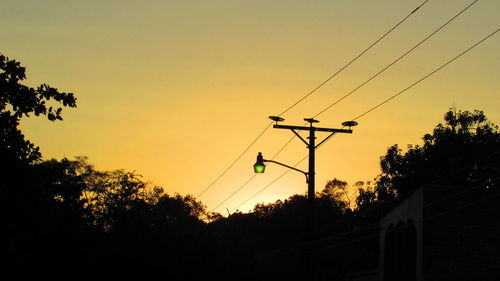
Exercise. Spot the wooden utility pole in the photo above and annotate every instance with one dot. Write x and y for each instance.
(311, 145)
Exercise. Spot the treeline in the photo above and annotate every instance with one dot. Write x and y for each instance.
(64, 218)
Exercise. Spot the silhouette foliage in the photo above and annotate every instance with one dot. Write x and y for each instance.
(464, 151)
(65, 216)
(18, 101)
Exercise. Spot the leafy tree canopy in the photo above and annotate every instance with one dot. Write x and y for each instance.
(18, 100)
(462, 151)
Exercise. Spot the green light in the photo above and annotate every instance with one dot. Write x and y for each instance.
(259, 166)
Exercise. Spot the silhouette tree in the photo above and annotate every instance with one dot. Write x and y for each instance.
(368, 207)
(110, 194)
(463, 151)
(41, 203)
(339, 190)
(18, 101)
(110, 221)
(50, 216)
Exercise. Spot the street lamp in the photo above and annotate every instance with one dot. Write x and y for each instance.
(260, 167)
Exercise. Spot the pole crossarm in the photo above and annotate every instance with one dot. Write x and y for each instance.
(289, 167)
(312, 129)
(308, 128)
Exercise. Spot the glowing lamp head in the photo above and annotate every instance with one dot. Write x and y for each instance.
(259, 166)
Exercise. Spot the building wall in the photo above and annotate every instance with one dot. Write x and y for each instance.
(446, 232)
(461, 233)
(401, 241)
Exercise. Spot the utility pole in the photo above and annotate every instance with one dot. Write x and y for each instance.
(311, 145)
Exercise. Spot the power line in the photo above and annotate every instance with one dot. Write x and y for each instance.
(387, 100)
(250, 179)
(353, 60)
(392, 63)
(308, 94)
(234, 192)
(236, 160)
(398, 59)
(372, 77)
(427, 76)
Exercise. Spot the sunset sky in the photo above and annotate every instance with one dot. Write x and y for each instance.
(176, 90)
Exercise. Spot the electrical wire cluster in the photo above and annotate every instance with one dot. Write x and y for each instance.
(359, 116)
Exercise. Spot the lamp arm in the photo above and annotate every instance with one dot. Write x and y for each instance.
(289, 167)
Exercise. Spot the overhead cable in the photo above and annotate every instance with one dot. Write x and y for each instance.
(427, 76)
(389, 99)
(397, 60)
(353, 60)
(308, 94)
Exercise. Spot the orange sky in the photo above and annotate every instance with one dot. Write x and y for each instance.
(175, 90)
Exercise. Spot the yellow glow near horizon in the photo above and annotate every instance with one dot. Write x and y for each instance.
(177, 89)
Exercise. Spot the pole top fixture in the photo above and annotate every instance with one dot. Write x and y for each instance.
(349, 124)
(311, 120)
(276, 119)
